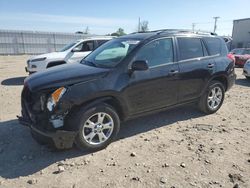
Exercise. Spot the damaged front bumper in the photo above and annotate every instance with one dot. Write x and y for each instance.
(61, 139)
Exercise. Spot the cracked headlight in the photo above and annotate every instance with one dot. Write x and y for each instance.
(55, 97)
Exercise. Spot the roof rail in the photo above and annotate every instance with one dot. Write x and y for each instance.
(184, 31)
(179, 31)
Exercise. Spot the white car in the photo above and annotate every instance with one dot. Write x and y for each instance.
(71, 53)
(246, 69)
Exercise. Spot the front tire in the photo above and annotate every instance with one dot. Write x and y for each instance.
(97, 127)
(212, 98)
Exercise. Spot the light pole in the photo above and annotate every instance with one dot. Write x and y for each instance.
(215, 22)
(139, 24)
(193, 27)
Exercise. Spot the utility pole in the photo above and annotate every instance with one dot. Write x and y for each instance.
(215, 22)
(193, 27)
(139, 24)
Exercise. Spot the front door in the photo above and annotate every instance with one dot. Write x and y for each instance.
(156, 87)
(84, 49)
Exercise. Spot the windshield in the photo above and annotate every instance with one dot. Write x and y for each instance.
(111, 53)
(68, 46)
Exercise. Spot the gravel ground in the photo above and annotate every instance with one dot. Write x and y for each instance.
(177, 148)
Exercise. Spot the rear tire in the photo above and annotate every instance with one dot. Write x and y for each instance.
(97, 126)
(212, 98)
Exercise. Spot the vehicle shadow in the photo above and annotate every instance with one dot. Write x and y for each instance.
(243, 82)
(20, 155)
(165, 118)
(13, 81)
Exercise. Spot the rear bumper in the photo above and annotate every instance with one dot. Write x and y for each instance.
(246, 71)
(61, 139)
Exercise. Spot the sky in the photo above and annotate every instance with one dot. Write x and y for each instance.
(104, 17)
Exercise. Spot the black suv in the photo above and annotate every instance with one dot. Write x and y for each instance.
(126, 77)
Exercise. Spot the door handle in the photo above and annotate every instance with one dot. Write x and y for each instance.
(173, 72)
(210, 65)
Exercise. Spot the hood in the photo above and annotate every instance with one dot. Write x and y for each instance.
(63, 75)
(50, 55)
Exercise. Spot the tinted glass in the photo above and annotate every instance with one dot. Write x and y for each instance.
(67, 47)
(88, 46)
(247, 51)
(204, 49)
(213, 45)
(157, 52)
(111, 53)
(100, 42)
(190, 48)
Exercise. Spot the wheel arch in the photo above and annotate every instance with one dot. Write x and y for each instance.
(222, 79)
(110, 100)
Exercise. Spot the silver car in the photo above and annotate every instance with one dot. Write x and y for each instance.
(246, 69)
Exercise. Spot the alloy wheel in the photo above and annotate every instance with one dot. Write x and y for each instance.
(98, 128)
(214, 98)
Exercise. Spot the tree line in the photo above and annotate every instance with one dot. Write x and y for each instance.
(142, 27)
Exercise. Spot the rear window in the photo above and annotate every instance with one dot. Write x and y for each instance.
(247, 51)
(213, 45)
(190, 48)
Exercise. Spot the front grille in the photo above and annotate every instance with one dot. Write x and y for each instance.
(31, 107)
(25, 99)
(32, 100)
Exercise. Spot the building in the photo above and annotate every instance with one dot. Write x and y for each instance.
(34, 42)
(241, 33)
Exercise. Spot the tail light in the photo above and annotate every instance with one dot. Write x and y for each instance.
(231, 57)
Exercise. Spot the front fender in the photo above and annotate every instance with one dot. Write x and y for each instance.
(91, 93)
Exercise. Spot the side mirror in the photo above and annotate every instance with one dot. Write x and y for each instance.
(76, 49)
(139, 65)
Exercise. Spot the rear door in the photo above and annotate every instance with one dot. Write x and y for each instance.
(196, 67)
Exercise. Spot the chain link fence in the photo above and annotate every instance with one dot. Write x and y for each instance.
(29, 42)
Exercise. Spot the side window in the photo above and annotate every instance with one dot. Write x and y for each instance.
(100, 42)
(79, 46)
(204, 49)
(190, 48)
(87, 46)
(213, 45)
(157, 52)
